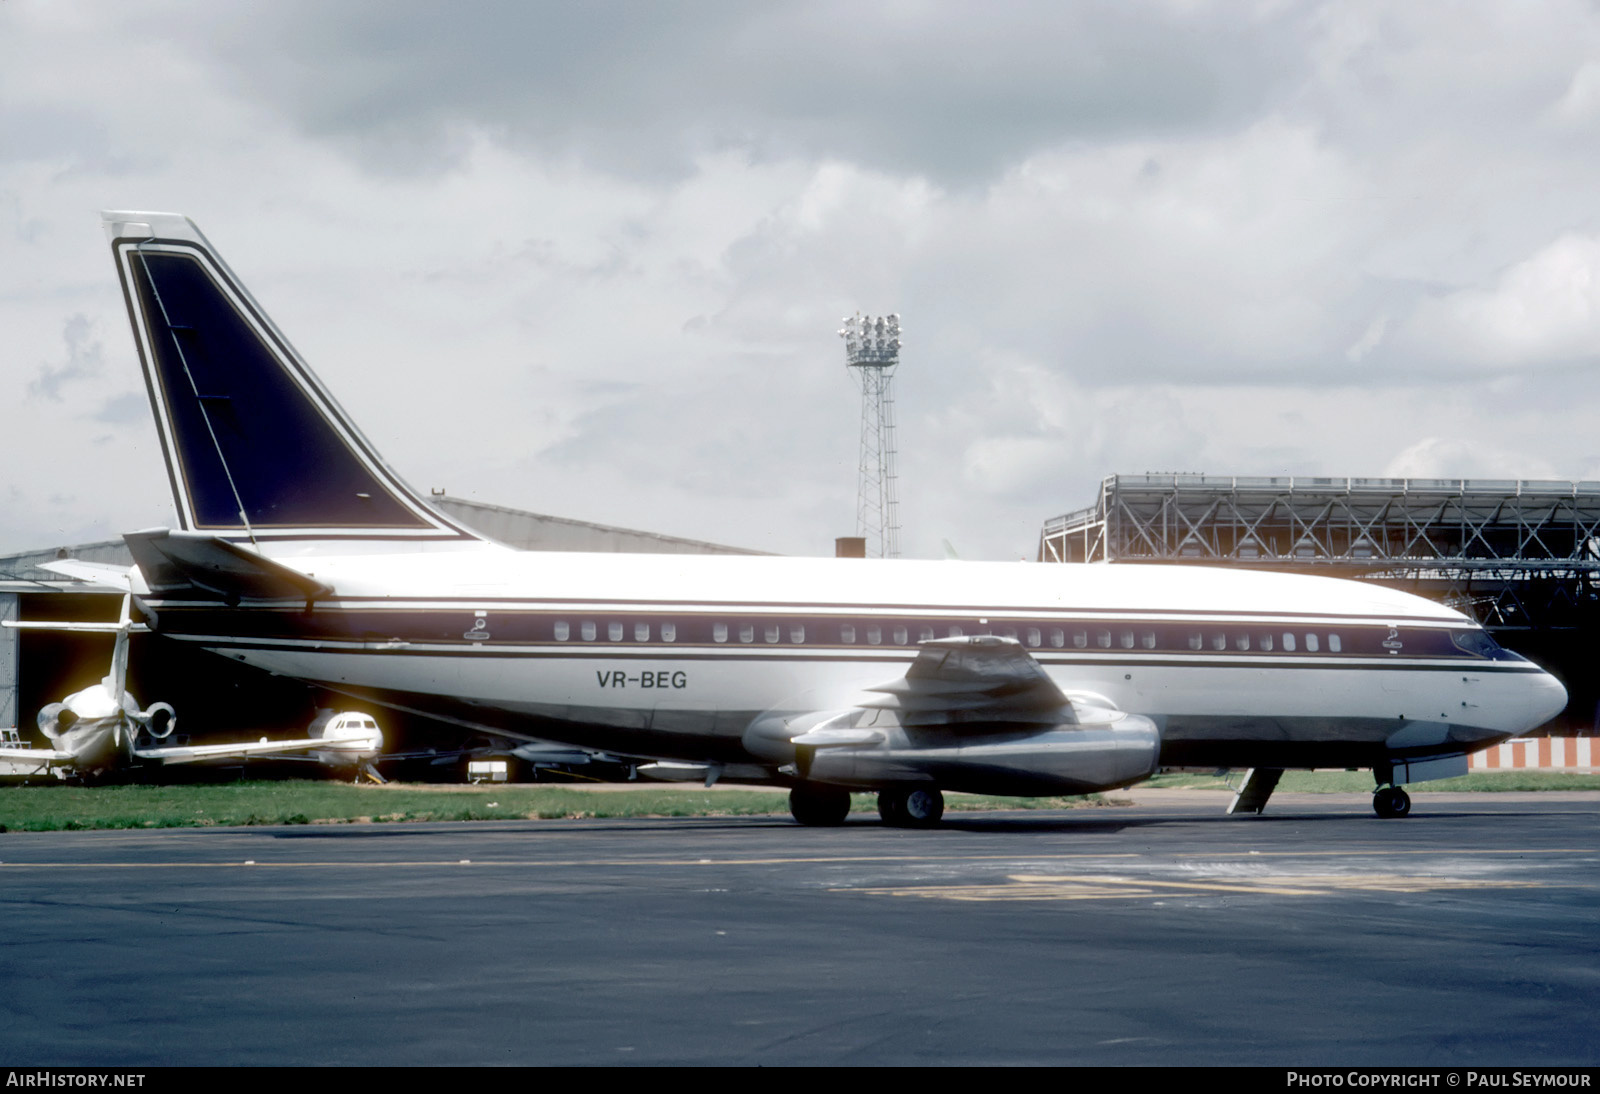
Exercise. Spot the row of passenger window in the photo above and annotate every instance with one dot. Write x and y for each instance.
(1105, 638)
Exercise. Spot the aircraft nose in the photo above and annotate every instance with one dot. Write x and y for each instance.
(1547, 699)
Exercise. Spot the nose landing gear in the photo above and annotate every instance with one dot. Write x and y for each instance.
(1391, 801)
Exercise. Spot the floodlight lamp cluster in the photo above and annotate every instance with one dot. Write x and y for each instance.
(872, 341)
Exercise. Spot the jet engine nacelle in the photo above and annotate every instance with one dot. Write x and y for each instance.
(159, 720)
(55, 719)
(1069, 759)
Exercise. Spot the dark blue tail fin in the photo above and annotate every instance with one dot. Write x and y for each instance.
(256, 448)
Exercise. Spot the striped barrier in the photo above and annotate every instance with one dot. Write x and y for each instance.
(1555, 753)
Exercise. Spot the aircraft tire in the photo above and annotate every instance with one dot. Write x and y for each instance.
(923, 807)
(819, 806)
(911, 807)
(891, 806)
(1391, 801)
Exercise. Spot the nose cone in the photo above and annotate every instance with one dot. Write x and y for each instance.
(1547, 698)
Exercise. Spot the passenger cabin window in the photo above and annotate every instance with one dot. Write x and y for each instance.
(1080, 639)
(1241, 642)
(563, 631)
(1102, 639)
(774, 632)
(797, 634)
(588, 632)
(1058, 638)
(669, 632)
(925, 634)
(901, 638)
(719, 632)
(641, 632)
(1311, 643)
(1334, 644)
(614, 631)
(955, 632)
(1288, 642)
(1033, 636)
(1197, 640)
(1148, 640)
(847, 634)
(1266, 642)
(875, 636)
(747, 632)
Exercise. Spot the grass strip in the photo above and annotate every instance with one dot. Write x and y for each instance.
(56, 808)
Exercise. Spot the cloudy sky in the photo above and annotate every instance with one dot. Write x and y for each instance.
(589, 258)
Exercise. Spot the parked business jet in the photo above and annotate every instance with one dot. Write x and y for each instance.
(101, 730)
(300, 552)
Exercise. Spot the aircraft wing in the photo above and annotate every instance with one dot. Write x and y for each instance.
(185, 754)
(974, 713)
(41, 756)
(978, 681)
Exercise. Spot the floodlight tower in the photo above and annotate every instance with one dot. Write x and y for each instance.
(872, 353)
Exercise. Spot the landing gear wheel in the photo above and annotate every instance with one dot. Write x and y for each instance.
(918, 807)
(892, 807)
(819, 806)
(1391, 801)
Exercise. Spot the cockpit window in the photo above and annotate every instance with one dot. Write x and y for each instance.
(1477, 643)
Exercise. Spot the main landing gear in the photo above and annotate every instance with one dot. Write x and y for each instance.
(911, 807)
(902, 806)
(819, 806)
(1391, 801)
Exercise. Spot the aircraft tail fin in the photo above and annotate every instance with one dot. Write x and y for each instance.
(257, 449)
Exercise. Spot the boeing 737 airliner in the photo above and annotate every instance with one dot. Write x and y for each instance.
(300, 552)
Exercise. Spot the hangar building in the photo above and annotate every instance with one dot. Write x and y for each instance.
(1520, 556)
(213, 696)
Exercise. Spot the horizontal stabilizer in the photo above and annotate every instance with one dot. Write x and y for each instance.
(194, 566)
(95, 573)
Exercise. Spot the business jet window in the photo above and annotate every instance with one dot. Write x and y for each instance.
(1102, 639)
(925, 634)
(875, 636)
(1197, 641)
(1266, 642)
(588, 632)
(1058, 637)
(669, 632)
(1126, 640)
(1311, 643)
(719, 632)
(747, 632)
(1334, 645)
(1034, 637)
(1219, 641)
(1241, 642)
(901, 638)
(1148, 640)
(614, 631)
(1288, 642)
(1007, 632)
(563, 631)
(1080, 639)
(774, 632)
(797, 634)
(641, 632)
(847, 634)
(955, 632)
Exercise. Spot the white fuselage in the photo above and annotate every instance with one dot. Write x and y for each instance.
(674, 656)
